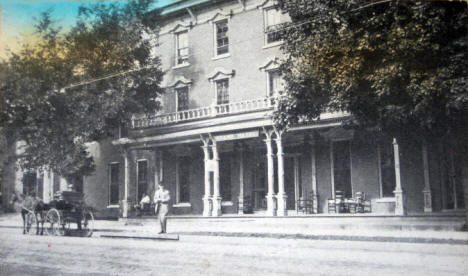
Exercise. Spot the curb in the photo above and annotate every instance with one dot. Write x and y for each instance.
(330, 237)
(280, 236)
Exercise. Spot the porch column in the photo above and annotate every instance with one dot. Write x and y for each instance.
(216, 195)
(241, 180)
(281, 197)
(207, 196)
(271, 211)
(46, 187)
(400, 209)
(427, 185)
(314, 179)
(125, 203)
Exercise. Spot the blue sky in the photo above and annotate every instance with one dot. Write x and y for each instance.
(17, 16)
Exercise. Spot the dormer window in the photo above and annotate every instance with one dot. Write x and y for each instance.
(221, 39)
(182, 48)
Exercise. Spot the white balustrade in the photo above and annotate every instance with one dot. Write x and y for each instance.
(158, 120)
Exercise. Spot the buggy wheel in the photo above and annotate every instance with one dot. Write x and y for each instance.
(87, 223)
(53, 223)
(31, 224)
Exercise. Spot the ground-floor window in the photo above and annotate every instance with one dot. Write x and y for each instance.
(341, 166)
(451, 179)
(113, 183)
(142, 178)
(30, 183)
(183, 179)
(225, 176)
(387, 169)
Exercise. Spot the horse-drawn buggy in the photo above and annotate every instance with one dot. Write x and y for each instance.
(68, 208)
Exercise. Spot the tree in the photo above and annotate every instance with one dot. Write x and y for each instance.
(73, 87)
(397, 66)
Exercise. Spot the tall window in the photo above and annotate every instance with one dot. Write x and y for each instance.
(182, 48)
(342, 167)
(275, 83)
(114, 183)
(142, 178)
(222, 39)
(182, 98)
(225, 176)
(183, 180)
(272, 20)
(222, 91)
(29, 182)
(387, 169)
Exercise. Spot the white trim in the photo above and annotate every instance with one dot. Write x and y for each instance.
(183, 65)
(379, 169)
(226, 55)
(385, 200)
(227, 203)
(112, 206)
(215, 74)
(182, 205)
(273, 44)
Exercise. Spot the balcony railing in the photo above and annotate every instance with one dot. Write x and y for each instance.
(157, 120)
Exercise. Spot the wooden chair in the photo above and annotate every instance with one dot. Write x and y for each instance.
(362, 204)
(305, 206)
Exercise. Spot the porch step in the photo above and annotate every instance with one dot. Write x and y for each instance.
(305, 224)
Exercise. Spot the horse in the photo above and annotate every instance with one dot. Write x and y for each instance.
(34, 205)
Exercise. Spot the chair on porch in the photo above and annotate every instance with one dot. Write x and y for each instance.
(305, 205)
(362, 204)
(336, 205)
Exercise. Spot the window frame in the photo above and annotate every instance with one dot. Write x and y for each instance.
(215, 38)
(266, 25)
(177, 89)
(110, 165)
(178, 183)
(270, 91)
(332, 166)
(380, 169)
(138, 177)
(185, 61)
(227, 80)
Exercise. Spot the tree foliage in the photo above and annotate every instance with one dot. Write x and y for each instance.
(48, 100)
(399, 66)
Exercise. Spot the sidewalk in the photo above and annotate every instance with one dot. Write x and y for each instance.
(378, 229)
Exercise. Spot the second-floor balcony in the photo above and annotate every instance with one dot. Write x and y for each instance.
(158, 120)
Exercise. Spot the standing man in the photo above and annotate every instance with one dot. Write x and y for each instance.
(161, 199)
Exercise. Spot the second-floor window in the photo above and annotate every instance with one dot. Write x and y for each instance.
(275, 83)
(182, 98)
(272, 20)
(222, 39)
(222, 91)
(182, 48)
